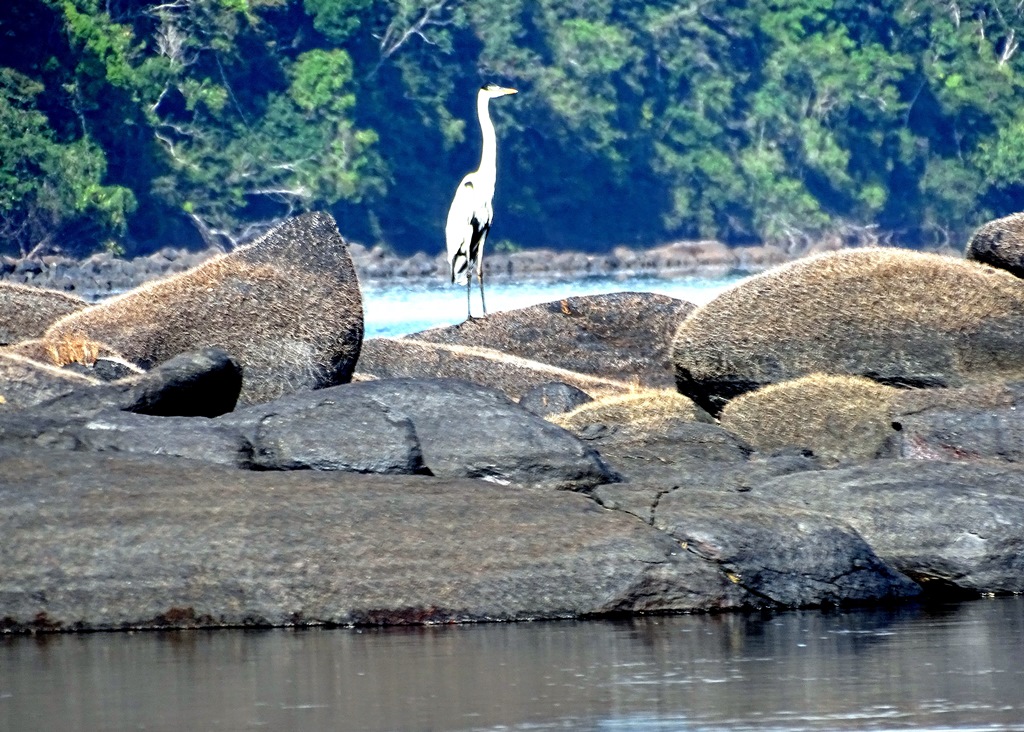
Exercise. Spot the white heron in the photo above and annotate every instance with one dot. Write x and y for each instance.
(469, 217)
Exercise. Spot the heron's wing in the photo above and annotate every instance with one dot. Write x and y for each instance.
(469, 218)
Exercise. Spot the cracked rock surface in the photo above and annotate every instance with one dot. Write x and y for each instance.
(110, 541)
(952, 525)
(786, 555)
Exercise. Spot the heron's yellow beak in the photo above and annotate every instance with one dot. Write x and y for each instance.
(509, 90)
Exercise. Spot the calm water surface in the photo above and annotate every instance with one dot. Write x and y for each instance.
(950, 667)
(393, 311)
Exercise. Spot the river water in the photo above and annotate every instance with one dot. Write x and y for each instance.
(391, 311)
(949, 667)
(921, 667)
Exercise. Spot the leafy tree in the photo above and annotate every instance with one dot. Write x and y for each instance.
(158, 121)
(51, 191)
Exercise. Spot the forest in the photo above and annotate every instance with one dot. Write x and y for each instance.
(129, 125)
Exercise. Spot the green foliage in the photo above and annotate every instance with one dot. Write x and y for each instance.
(50, 189)
(754, 120)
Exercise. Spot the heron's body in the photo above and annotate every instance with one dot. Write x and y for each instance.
(470, 215)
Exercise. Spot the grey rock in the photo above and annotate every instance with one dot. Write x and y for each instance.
(553, 398)
(1000, 243)
(26, 312)
(642, 456)
(327, 430)
(403, 358)
(640, 497)
(104, 369)
(902, 318)
(961, 434)
(464, 431)
(196, 438)
(287, 307)
(96, 541)
(788, 556)
(205, 383)
(953, 527)
(25, 383)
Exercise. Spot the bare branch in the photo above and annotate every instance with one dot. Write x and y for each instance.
(1009, 47)
(394, 38)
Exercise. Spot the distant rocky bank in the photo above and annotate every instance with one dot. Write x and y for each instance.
(103, 274)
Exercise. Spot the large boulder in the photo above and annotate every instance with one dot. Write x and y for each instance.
(26, 312)
(287, 307)
(451, 428)
(649, 480)
(834, 417)
(625, 336)
(392, 358)
(899, 317)
(953, 527)
(110, 541)
(1000, 243)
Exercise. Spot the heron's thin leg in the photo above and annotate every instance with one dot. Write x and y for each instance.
(469, 289)
(480, 275)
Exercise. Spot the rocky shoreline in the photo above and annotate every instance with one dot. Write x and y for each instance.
(223, 449)
(104, 274)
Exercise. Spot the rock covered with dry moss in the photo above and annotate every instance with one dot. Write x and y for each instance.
(391, 358)
(26, 312)
(624, 336)
(899, 317)
(288, 307)
(1000, 243)
(834, 417)
(648, 410)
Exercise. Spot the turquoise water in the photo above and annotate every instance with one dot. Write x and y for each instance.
(394, 311)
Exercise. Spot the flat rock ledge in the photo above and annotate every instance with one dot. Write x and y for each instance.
(111, 541)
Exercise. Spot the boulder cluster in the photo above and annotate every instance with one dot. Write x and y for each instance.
(220, 447)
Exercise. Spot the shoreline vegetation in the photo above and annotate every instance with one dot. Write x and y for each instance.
(127, 125)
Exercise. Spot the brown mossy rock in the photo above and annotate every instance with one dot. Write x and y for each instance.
(836, 418)
(25, 383)
(625, 336)
(651, 436)
(650, 410)
(393, 358)
(89, 358)
(26, 312)
(1000, 243)
(287, 307)
(902, 318)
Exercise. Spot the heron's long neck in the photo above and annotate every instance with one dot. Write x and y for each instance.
(487, 173)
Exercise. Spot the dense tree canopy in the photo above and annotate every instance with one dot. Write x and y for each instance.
(133, 124)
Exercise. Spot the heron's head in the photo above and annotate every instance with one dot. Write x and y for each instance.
(493, 91)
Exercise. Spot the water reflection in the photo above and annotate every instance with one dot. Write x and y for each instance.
(945, 667)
